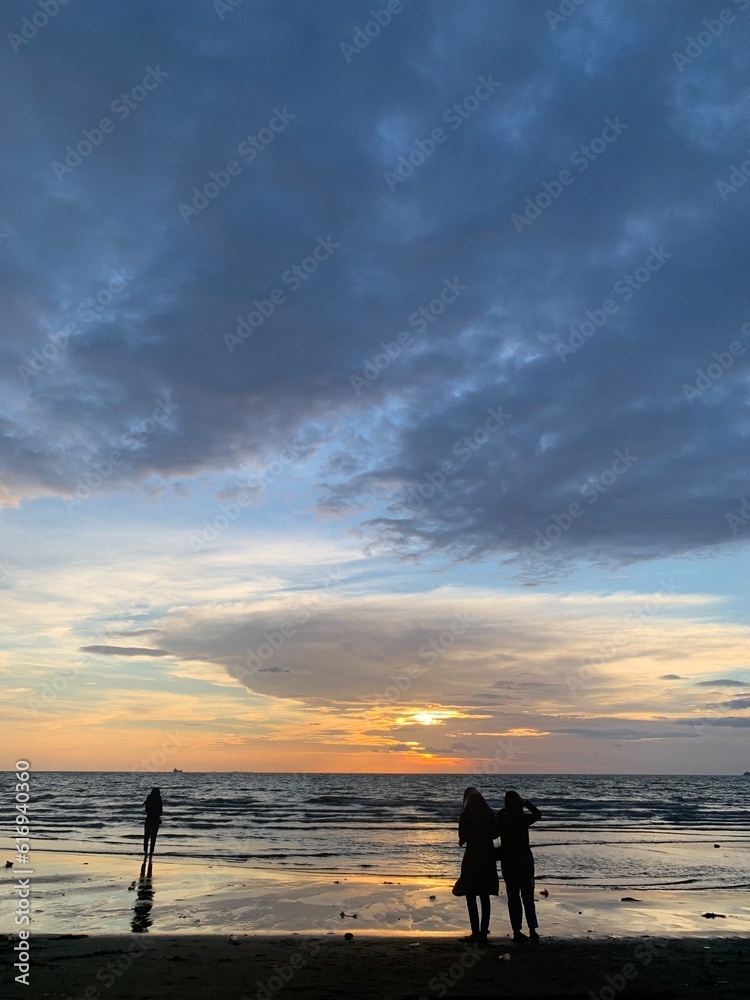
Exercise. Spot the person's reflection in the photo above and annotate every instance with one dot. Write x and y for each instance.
(145, 900)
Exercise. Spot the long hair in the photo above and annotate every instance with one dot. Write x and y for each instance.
(475, 808)
(153, 799)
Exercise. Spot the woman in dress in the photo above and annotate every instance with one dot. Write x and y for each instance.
(476, 830)
(517, 861)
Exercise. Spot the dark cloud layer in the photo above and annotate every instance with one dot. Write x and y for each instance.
(148, 376)
(732, 721)
(724, 682)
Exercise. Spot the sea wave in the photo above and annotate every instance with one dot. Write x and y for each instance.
(604, 830)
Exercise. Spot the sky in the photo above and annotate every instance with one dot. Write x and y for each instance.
(375, 386)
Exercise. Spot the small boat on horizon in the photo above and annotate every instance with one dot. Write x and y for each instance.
(177, 770)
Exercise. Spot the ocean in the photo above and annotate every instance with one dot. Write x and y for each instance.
(608, 831)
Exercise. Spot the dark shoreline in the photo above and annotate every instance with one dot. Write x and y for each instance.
(259, 967)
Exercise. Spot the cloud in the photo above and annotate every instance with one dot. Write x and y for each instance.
(723, 682)
(186, 407)
(136, 632)
(499, 670)
(671, 677)
(520, 685)
(623, 734)
(456, 749)
(124, 651)
(732, 721)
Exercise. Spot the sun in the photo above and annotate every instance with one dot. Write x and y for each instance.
(431, 718)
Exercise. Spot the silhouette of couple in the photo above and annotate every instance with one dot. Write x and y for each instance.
(477, 828)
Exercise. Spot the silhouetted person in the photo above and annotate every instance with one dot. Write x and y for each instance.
(145, 893)
(476, 829)
(517, 861)
(154, 809)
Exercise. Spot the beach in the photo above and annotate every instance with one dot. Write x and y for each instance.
(260, 967)
(641, 888)
(209, 930)
(106, 894)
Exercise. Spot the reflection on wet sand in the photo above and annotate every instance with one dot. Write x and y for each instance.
(145, 900)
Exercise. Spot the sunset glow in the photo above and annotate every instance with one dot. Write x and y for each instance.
(380, 452)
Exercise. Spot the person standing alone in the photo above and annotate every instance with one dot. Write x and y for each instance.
(154, 809)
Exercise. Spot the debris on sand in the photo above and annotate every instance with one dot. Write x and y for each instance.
(712, 916)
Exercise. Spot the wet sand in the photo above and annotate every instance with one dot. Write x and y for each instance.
(105, 894)
(102, 927)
